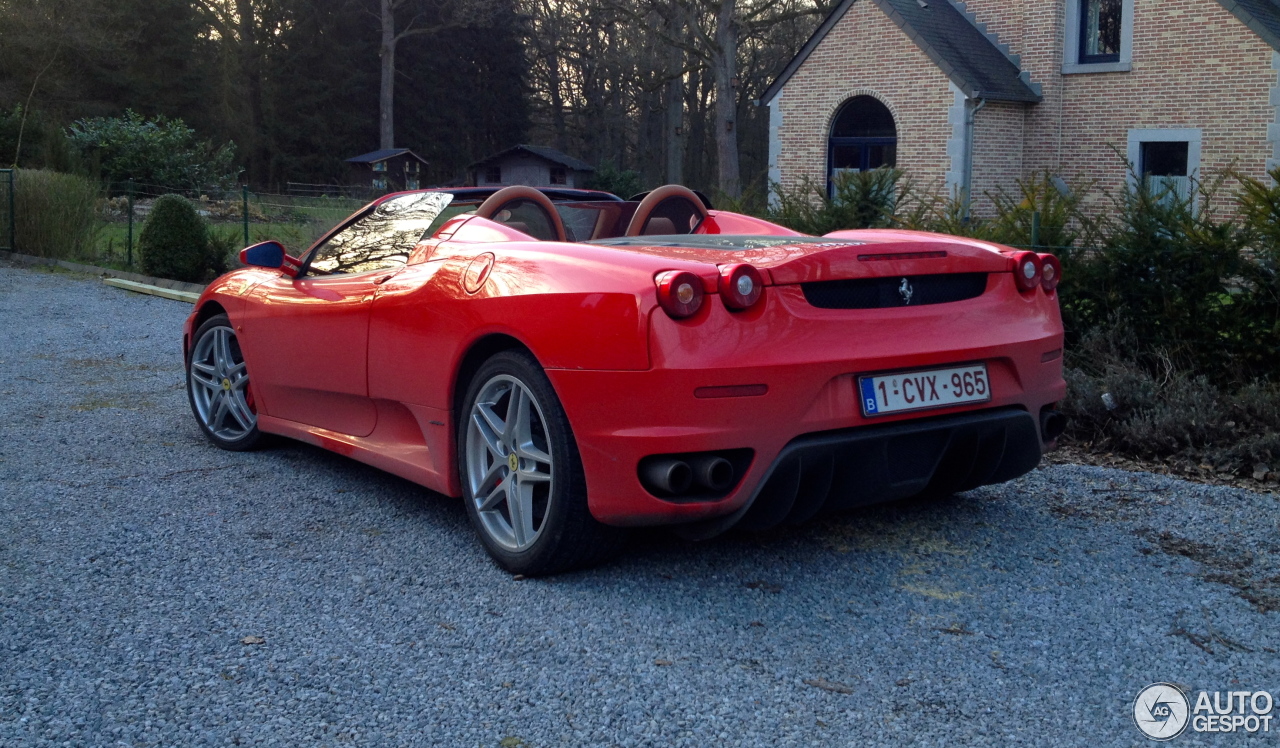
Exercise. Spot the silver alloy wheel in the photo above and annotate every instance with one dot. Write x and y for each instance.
(508, 461)
(219, 385)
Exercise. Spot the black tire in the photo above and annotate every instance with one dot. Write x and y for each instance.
(230, 435)
(565, 535)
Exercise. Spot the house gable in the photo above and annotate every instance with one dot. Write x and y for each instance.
(952, 38)
(865, 53)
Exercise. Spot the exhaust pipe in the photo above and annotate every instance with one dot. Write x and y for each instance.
(1052, 424)
(667, 475)
(713, 473)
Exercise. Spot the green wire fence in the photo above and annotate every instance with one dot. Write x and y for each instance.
(8, 212)
(240, 216)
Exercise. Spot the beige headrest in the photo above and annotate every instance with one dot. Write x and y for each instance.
(659, 226)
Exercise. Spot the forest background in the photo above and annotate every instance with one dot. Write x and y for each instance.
(666, 88)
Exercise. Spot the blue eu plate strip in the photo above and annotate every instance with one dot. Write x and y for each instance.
(869, 396)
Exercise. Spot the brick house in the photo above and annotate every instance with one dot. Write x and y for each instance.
(972, 96)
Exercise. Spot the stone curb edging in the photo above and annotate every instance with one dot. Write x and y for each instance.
(134, 278)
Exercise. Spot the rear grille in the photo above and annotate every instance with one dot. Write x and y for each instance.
(894, 291)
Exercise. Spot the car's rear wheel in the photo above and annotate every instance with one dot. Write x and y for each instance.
(522, 478)
(218, 387)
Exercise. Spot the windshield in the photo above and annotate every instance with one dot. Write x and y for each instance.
(382, 238)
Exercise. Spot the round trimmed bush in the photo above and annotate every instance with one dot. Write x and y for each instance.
(174, 242)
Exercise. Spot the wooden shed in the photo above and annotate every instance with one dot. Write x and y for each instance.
(532, 165)
(387, 170)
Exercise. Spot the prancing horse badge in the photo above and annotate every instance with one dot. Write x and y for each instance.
(906, 291)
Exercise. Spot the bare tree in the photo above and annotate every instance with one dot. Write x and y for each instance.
(712, 32)
(48, 28)
(425, 17)
(662, 86)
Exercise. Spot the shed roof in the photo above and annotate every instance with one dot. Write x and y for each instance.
(542, 151)
(953, 39)
(374, 157)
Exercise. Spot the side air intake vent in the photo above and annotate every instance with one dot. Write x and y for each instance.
(894, 291)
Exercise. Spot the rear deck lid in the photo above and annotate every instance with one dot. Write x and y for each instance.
(840, 256)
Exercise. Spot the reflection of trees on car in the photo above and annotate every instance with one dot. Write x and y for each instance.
(383, 238)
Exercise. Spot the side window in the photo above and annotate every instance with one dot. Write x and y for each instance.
(381, 239)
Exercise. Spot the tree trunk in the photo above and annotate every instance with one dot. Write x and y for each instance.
(673, 126)
(252, 73)
(697, 165)
(724, 61)
(387, 91)
(558, 121)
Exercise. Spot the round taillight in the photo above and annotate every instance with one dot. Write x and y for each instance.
(679, 293)
(1050, 272)
(1026, 270)
(741, 286)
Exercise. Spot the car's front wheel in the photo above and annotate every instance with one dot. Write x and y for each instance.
(522, 478)
(218, 387)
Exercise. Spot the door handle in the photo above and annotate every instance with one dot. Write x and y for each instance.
(383, 279)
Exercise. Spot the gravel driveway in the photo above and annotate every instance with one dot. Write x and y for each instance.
(136, 559)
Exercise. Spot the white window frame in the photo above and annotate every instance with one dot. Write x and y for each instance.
(1071, 42)
(1189, 135)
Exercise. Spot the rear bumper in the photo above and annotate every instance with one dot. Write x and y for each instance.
(843, 469)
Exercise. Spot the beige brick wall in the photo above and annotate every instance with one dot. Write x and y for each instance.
(998, 136)
(865, 53)
(1194, 66)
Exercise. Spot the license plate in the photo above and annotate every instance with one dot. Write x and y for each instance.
(917, 390)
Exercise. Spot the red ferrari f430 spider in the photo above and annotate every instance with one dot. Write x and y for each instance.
(572, 364)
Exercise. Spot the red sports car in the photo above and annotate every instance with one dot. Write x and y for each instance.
(572, 364)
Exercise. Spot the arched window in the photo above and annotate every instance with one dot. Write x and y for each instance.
(863, 137)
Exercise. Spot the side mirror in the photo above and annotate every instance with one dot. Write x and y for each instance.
(271, 255)
(263, 255)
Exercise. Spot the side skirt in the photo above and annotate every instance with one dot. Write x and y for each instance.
(405, 443)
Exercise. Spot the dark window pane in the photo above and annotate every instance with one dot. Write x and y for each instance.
(381, 239)
(1100, 30)
(846, 157)
(1163, 159)
(864, 117)
(881, 155)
